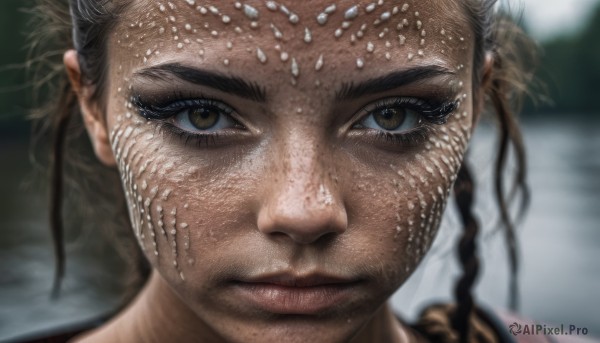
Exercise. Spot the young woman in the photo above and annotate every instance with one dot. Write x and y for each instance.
(284, 164)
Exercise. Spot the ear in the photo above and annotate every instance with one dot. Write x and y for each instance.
(485, 83)
(91, 112)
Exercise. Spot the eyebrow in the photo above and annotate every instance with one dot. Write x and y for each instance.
(390, 81)
(228, 84)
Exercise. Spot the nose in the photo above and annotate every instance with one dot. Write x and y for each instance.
(302, 202)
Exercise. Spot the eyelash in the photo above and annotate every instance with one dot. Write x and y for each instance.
(429, 115)
(163, 110)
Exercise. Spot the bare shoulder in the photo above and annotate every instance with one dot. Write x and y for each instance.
(527, 330)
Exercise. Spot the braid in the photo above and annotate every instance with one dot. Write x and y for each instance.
(467, 248)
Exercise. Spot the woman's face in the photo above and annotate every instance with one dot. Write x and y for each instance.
(286, 163)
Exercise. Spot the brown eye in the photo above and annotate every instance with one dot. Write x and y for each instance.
(203, 118)
(390, 118)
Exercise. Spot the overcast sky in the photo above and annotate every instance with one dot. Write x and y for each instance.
(547, 18)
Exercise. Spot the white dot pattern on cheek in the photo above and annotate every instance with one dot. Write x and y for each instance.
(389, 17)
(148, 218)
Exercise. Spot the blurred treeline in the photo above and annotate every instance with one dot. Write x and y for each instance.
(15, 96)
(569, 69)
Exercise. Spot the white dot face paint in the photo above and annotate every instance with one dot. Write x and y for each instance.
(246, 140)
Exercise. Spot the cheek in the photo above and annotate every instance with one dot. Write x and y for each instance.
(166, 193)
(401, 203)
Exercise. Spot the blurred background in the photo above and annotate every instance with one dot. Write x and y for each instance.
(560, 238)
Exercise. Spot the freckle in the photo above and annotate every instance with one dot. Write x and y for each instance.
(319, 63)
(284, 56)
(250, 12)
(307, 35)
(351, 13)
(370, 47)
(370, 7)
(295, 68)
(271, 5)
(360, 63)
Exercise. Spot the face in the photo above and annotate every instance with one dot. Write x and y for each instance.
(286, 164)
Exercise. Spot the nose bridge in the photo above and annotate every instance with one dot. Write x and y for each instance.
(302, 202)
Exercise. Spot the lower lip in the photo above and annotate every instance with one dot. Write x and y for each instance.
(294, 300)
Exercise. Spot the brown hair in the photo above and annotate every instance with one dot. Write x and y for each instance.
(84, 24)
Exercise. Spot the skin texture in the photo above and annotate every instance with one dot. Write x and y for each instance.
(296, 188)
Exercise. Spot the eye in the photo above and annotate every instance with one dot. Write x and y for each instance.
(394, 115)
(193, 116)
(205, 118)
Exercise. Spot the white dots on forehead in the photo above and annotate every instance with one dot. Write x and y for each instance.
(405, 29)
(250, 12)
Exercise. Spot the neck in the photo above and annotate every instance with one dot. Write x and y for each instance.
(158, 315)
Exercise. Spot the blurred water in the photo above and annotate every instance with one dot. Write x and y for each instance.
(560, 273)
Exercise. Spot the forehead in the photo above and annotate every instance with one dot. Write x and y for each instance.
(297, 36)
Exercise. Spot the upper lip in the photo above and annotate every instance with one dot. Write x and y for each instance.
(287, 279)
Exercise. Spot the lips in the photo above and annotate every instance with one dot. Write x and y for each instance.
(300, 295)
